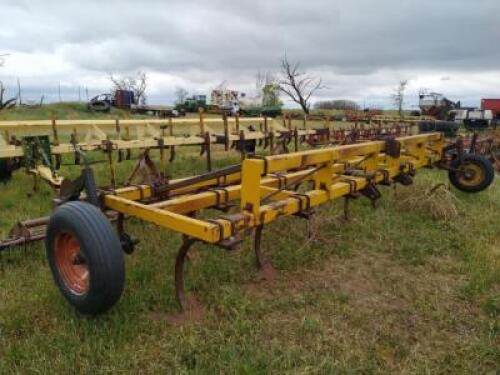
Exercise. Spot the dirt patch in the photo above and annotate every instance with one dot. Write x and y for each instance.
(193, 314)
(264, 284)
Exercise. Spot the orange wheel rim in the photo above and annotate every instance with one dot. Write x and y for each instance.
(71, 264)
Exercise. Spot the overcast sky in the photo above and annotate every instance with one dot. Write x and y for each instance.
(360, 48)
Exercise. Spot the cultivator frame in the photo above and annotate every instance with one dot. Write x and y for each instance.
(250, 195)
(40, 145)
(268, 188)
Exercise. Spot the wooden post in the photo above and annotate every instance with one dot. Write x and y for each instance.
(112, 170)
(118, 137)
(305, 121)
(208, 151)
(242, 144)
(127, 135)
(118, 129)
(237, 121)
(289, 120)
(266, 133)
(161, 145)
(54, 132)
(296, 139)
(170, 127)
(271, 143)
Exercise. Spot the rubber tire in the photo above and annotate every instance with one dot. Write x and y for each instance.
(489, 173)
(475, 125)
(102, 250)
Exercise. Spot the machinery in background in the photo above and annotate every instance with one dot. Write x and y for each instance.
(472, 119)
(232, 102)
(492, 105)
(192, 104)
(124, 99)
(436, 105)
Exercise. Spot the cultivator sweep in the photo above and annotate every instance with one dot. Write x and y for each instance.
(85, 252)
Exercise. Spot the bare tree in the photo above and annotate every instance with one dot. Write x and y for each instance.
(298, 85)
(7, 103)
(137, 85)
(399, 96)
(180, 94)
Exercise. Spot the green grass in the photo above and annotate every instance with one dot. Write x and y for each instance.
(395, 290)
(67, 110)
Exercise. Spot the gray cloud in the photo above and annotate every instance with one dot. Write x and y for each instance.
(361, 48)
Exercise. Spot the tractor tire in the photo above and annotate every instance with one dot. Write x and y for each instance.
(85, 257)
(472, 173)
(100, 106)
(449, 128)
(475, 125)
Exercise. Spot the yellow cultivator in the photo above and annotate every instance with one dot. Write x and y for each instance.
(85, 252)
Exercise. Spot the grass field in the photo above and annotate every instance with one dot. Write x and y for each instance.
(61, 111)
(412, 286)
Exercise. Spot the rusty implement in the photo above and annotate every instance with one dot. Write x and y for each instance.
(85, 252)
(39, 146)
(25, 232)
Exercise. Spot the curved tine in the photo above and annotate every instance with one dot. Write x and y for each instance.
(346, 209)
(187, 242)
(262, 261)
(285, 148)
(172, 154)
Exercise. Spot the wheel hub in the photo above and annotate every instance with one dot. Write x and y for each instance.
(471, 174)
(71, 264)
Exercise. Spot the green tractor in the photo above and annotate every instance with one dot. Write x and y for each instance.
(192, 104)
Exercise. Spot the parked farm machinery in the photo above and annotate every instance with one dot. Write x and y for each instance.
(86, 253)
(39, 146)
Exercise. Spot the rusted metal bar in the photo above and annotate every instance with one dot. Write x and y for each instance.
(208, 151)
(180, 293)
